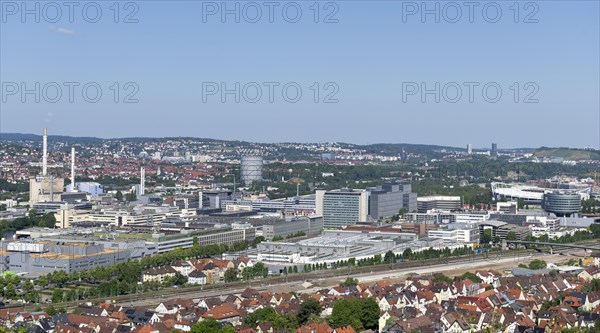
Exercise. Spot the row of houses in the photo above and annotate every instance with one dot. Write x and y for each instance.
(490, 301)
(198, 271)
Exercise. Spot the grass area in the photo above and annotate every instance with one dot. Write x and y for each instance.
(568, 153)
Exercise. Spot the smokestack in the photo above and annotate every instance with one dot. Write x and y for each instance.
(142, 181)
(72, 169)
(45, 154)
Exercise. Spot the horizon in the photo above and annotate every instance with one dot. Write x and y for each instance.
(347, 71)
(299, 142)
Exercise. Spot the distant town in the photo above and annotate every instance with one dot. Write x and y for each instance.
(201, 235)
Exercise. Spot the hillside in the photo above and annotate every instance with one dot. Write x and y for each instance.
(568, 153)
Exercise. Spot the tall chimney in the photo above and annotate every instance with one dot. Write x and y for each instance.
(45, 154)
(142, 181)
(72, 169)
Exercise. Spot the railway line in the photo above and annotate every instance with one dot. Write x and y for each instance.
(438, 264)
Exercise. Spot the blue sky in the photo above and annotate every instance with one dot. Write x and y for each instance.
(368, 55)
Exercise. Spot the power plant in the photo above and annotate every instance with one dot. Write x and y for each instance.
(73, 189)
(142, 181)
(45, 188)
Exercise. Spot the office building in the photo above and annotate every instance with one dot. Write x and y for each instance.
(562, 203)
(342, 207)
(439, 202)
(494, 151)
(457, 232)
(388, 199)
(308, 225)
(501, 229)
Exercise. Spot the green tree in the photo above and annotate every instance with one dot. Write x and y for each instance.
(537, 264)
(511, 235)
(346, 312)
(349, 282)
(471, 276)
(487, 237)
(257, 240)
(209, 325)
(50, 310)
(57, 295)
(119, 196)
(369, 313)
(389, 257)
(439, 277)
(231, 275)
(309, 307)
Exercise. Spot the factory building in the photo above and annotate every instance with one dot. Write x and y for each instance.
(43, 257)
(45, 188)
(309, 225)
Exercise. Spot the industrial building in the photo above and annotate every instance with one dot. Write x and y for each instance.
(43, 257)
(44, 188)
(251, 169)
(309, 225)
(342, 207)
(336, 245)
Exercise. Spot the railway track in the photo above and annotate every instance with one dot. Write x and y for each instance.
(265, 283)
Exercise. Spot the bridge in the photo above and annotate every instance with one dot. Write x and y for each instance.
(553, 245)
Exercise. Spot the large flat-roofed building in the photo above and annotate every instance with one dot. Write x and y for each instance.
(42, 257)
(445, 217)
(342, 207)
(439, 202)
(388, 199)
(354, 242)
(459, 232)
(309, 225)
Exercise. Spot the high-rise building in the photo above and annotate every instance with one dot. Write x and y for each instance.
(387, 200)
(342, 207)
(494, 151)
(469, 149)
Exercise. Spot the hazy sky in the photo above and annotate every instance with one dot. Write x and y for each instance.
(373, 57)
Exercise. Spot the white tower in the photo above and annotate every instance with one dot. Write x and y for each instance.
(142, 181)
(45, 154)
(73, 169)
(469, 149)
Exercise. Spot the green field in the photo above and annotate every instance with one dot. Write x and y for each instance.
(568, 153)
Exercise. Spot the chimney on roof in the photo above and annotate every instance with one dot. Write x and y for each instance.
(73, 169)
(45, 153)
